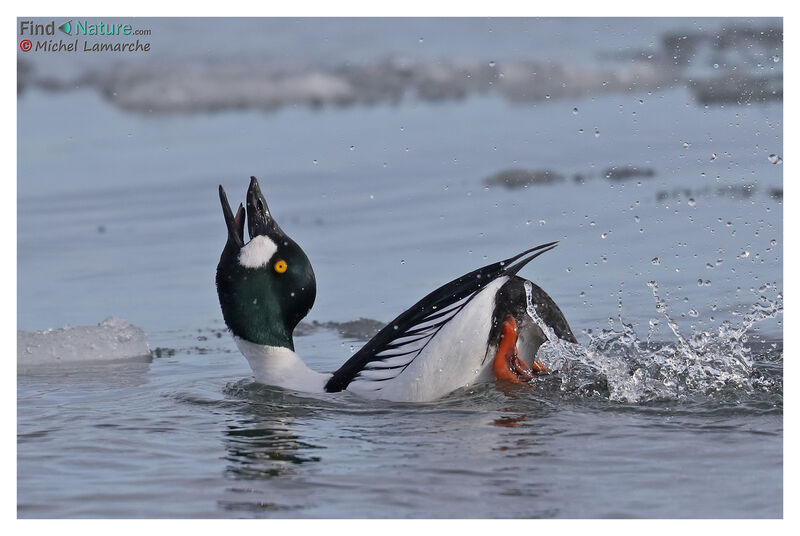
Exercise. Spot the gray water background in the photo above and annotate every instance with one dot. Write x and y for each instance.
(118, 214)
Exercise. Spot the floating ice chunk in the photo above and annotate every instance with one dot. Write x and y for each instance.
(111, 340)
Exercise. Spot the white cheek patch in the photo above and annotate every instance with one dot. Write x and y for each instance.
(257, 252)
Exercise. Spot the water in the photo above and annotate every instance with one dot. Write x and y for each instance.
(672, 405)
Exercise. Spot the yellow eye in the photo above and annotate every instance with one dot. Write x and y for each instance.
(280, 266)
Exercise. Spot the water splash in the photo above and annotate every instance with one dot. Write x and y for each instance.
(618, 365)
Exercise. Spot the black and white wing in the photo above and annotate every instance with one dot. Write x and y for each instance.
(396, 346)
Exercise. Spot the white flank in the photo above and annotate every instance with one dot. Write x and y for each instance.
(257, 252)
(453, 358)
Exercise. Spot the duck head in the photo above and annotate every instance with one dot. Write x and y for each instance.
(267, 285)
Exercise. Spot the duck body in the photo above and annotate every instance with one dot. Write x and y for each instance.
(480, 327)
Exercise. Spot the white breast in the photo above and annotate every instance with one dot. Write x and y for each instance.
(273, 365)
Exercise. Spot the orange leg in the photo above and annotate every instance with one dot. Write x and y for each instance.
(538, 367)
(507, 364)
(506, 351)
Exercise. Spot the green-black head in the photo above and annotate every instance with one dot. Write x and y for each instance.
(266, 286)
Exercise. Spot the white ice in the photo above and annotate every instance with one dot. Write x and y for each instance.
(111, 340)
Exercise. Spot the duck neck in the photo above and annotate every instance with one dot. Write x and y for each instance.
(281, 366)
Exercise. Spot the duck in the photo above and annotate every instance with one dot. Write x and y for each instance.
(481, 327)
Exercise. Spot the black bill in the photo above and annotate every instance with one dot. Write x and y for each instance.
(235, 224)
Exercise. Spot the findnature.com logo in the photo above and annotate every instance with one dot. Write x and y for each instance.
(80, 29)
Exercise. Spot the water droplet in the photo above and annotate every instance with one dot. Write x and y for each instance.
(713, 156)
(547, 96)
(592, 223)
(421, 39)
(699, 282)
(528, 222)
(574, 111)
(775, 159)
(656, 261)
(744, 254)
(693, 313)
(603, 235)
(691, 202)
(542, 222)
(596, 132)
(314, 162)
(686, 145)
(569, 269)
(580, 131)
(352, 147)
(773, 242)
(776, 58)
(492, 64)
(402, 261)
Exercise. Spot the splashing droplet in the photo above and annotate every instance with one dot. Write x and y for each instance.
(655, 261)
